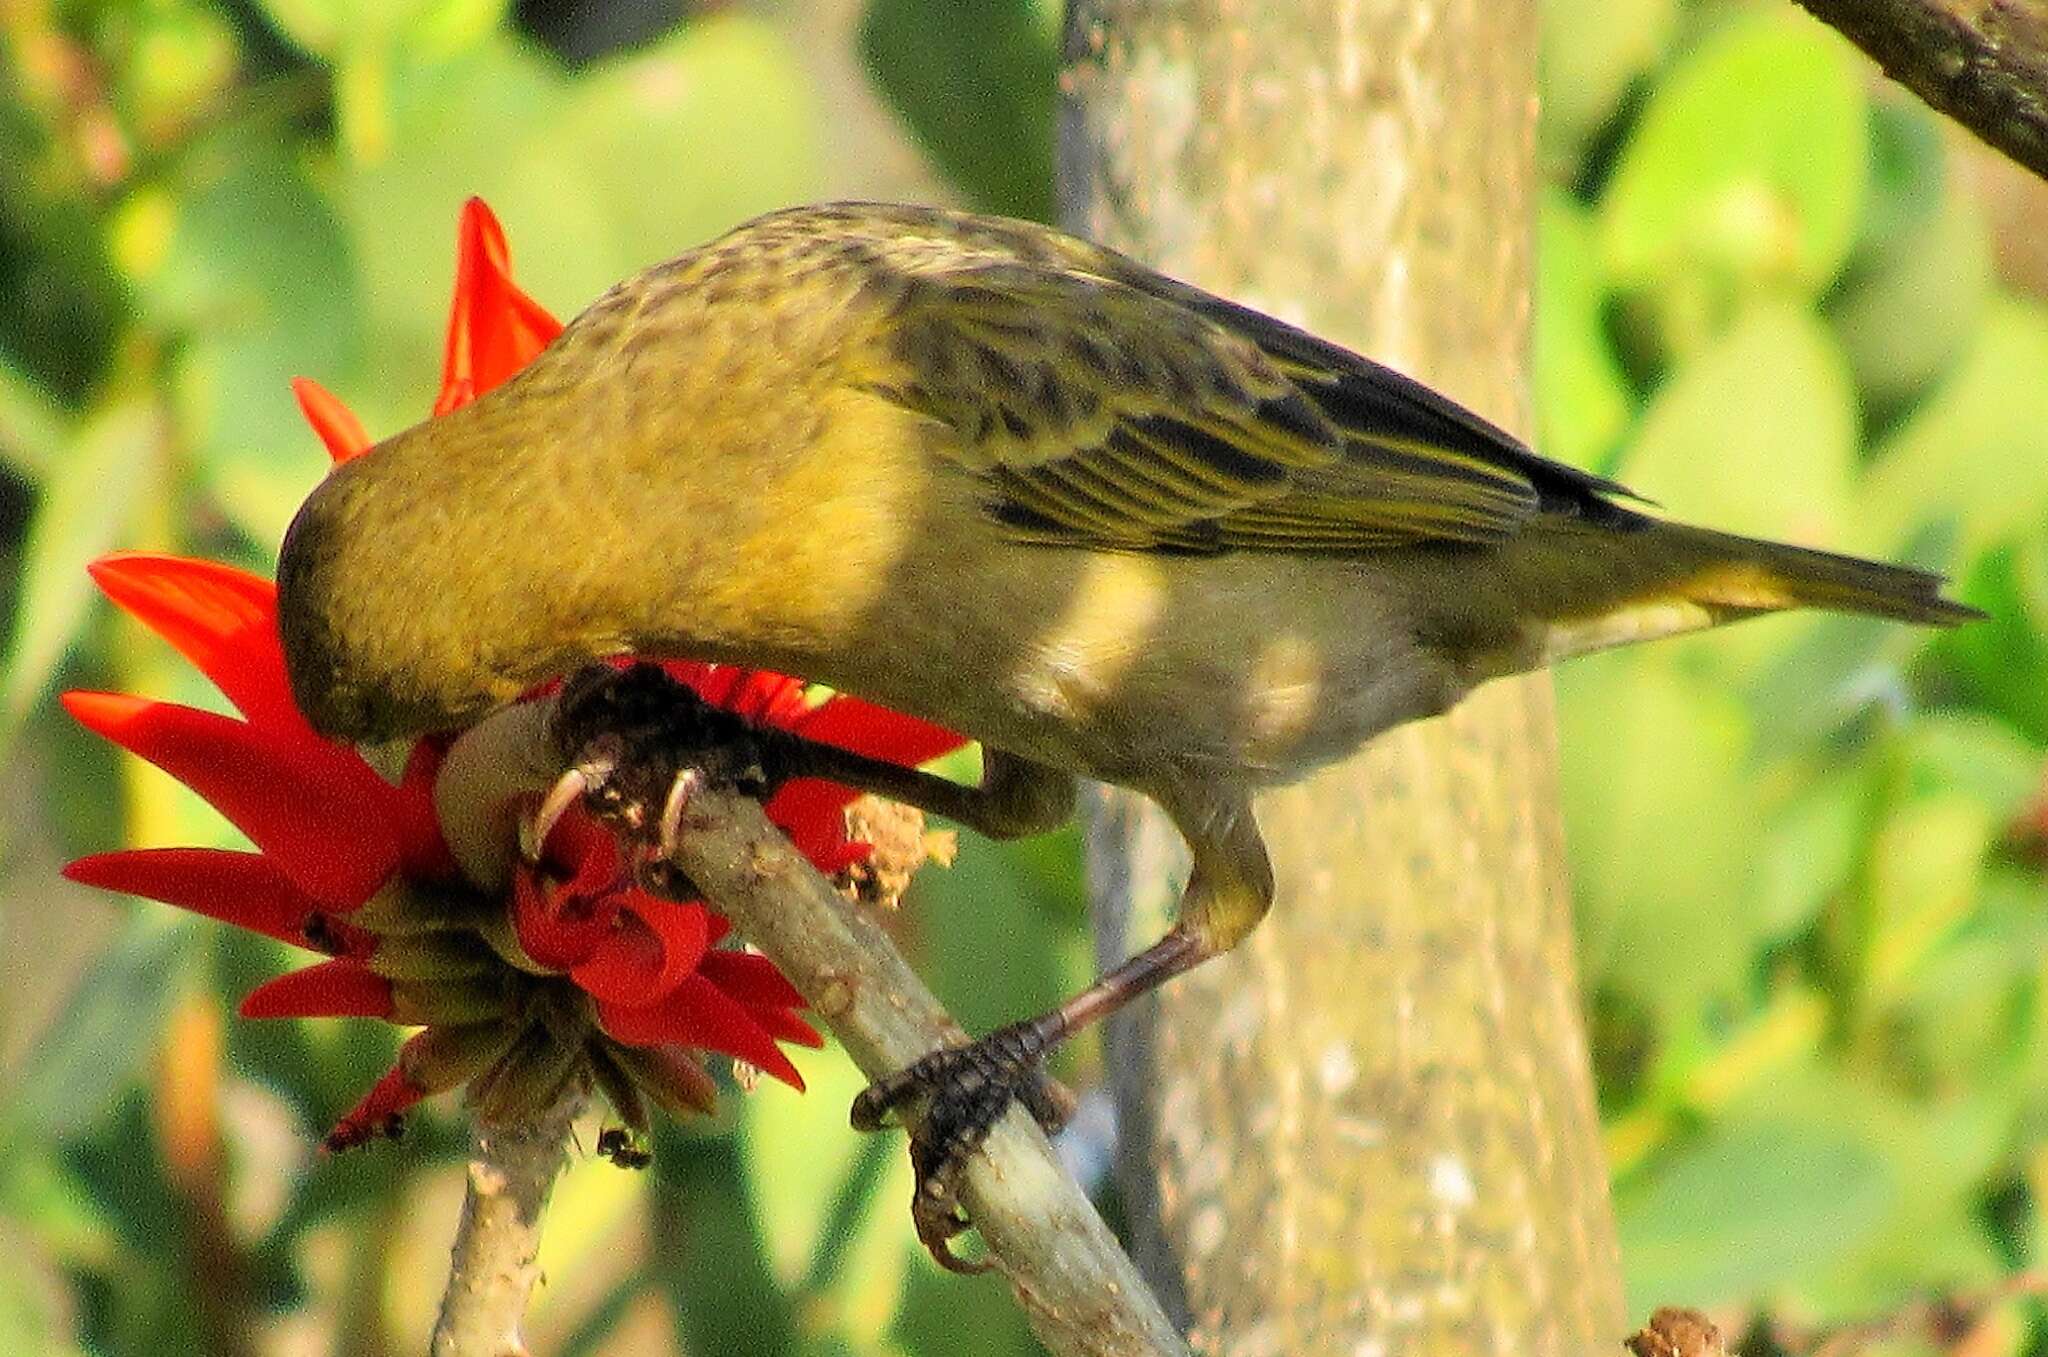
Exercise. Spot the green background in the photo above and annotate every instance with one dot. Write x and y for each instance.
(1807, 853)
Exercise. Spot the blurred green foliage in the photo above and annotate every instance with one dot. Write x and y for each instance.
(1808, 853)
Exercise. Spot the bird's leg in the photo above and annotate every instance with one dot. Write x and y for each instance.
(636, 738)
(967, 1089)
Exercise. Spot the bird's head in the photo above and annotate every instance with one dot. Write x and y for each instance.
(369, 614)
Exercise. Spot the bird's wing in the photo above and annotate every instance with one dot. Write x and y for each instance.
(1099, 411)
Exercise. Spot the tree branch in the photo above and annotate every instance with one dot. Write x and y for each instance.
(498, 1239)
(1982, 62)
(1081, 1294)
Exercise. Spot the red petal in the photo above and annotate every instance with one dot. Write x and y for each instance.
(494, 329)
(244, 889)
(335, 423)
(697, 1013)
(222, 619)
(422, 853)
(654, 944)
(373, 1117)
(750, 978)
(768, 698)
(319, 814)
(863, 728)
(554, 938)
(714, 682)
(877, 732)
(784, 1025)
(341, 988)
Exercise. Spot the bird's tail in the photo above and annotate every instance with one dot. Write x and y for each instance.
(1673, 578)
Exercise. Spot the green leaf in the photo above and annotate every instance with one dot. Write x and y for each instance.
(1746, 174)
(1933, 1157)
(1909, 306)
(833, 1204)
(1997, 663)
(1755, 433)
(1582, 401)
(1745, 1210)
(1925, 864)
(1662, 818)
(84, 513)
(1969, 754)
(799, 1153)
(992, 892)
(433, 28)
(708, 1252)
(1811, 850)
(1592, 52)
(594, 176)
(975, 81)
(1975, 453)
(33, 429)
(92, 1051)
(260, 276)
(65, 307)
(720, 115)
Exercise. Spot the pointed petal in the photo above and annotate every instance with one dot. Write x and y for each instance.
(877, 732)
(750, 978)
(222, 619)
(338, 428)
(244, 889)
(654, 944)
(696, 1013)
(422, 851)
(377, 1115)
(767, 698)
(341, 988)
(554, 938)
(318, 813)
(864, 728)
(715, 683)
(784, 1025)
(494, 329)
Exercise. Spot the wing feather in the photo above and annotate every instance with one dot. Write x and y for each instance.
(1109, 406)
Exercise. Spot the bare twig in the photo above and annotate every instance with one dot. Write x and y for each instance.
(1080, 1293)
(493, 1271)
(1982, 62)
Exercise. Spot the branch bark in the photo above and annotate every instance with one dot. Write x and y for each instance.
(1081, 1294)
(1372, 1129)
(1982, 62)
(493, 1270)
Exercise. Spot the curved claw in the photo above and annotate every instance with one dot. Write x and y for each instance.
(872, 1106)
(939, 1221)
(968, 1089)
(579, 780)
(685, 785)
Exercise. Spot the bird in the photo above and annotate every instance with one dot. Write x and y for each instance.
(1106, 523)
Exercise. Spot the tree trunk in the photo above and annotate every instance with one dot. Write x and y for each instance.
(1372, 1129)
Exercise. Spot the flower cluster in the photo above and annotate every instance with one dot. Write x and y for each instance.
(571, 972)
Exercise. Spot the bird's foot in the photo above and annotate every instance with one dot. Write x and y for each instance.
(965, 1090)
(638, 743)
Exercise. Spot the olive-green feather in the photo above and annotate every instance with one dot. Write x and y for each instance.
(1104, 405)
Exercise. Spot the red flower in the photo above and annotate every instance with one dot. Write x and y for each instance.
(571, 971)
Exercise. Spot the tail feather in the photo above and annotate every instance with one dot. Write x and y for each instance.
(1681, 578)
